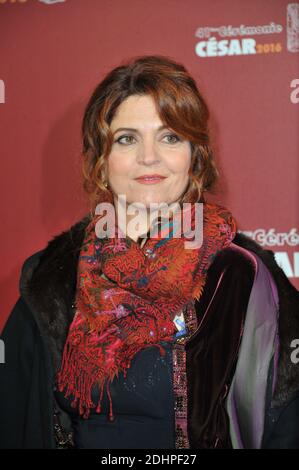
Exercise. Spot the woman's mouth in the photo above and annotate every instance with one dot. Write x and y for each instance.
(150, 179)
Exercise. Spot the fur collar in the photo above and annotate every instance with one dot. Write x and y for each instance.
(48, 283)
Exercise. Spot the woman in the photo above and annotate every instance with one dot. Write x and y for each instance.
(134, 340)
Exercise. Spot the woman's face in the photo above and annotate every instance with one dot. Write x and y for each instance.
(142, 147)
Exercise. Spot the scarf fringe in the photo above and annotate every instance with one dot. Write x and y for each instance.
(80, 381)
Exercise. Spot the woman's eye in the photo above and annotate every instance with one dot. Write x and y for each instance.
(126, 141)
(174, 138)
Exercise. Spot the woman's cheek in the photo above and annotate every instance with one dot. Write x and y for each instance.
(119, 164)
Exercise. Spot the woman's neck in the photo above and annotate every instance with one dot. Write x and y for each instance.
(134, 225)
(137, 222)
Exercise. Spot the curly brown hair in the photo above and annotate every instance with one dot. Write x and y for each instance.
(180, 107)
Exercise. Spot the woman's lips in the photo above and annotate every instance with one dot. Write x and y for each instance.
(150, 179)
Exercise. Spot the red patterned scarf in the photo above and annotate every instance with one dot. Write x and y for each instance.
(127, 298)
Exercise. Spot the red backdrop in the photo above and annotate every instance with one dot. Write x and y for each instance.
(244, 56)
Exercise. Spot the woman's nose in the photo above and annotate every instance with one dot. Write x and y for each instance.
(148, 154)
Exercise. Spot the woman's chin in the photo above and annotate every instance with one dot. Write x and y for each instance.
(146, 200)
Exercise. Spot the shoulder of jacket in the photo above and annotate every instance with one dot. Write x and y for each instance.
(60, 248)
(267, 257)
(235, 259)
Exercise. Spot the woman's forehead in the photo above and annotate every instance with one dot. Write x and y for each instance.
(136, 112)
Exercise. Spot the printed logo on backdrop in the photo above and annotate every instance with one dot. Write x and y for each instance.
(50, 2)
(47, 2)
(293, 27)
(228, 40)
(283, 244)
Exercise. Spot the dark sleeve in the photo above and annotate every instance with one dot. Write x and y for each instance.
(285, 432)
(24, 416)
(281, 429)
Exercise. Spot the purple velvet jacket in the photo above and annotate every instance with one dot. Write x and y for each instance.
(242, 387)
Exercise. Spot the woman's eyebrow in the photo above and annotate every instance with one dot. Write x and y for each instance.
(131, 129)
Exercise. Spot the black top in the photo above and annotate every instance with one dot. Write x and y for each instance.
(143, 406)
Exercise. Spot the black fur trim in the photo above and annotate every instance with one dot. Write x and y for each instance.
(48, 284)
